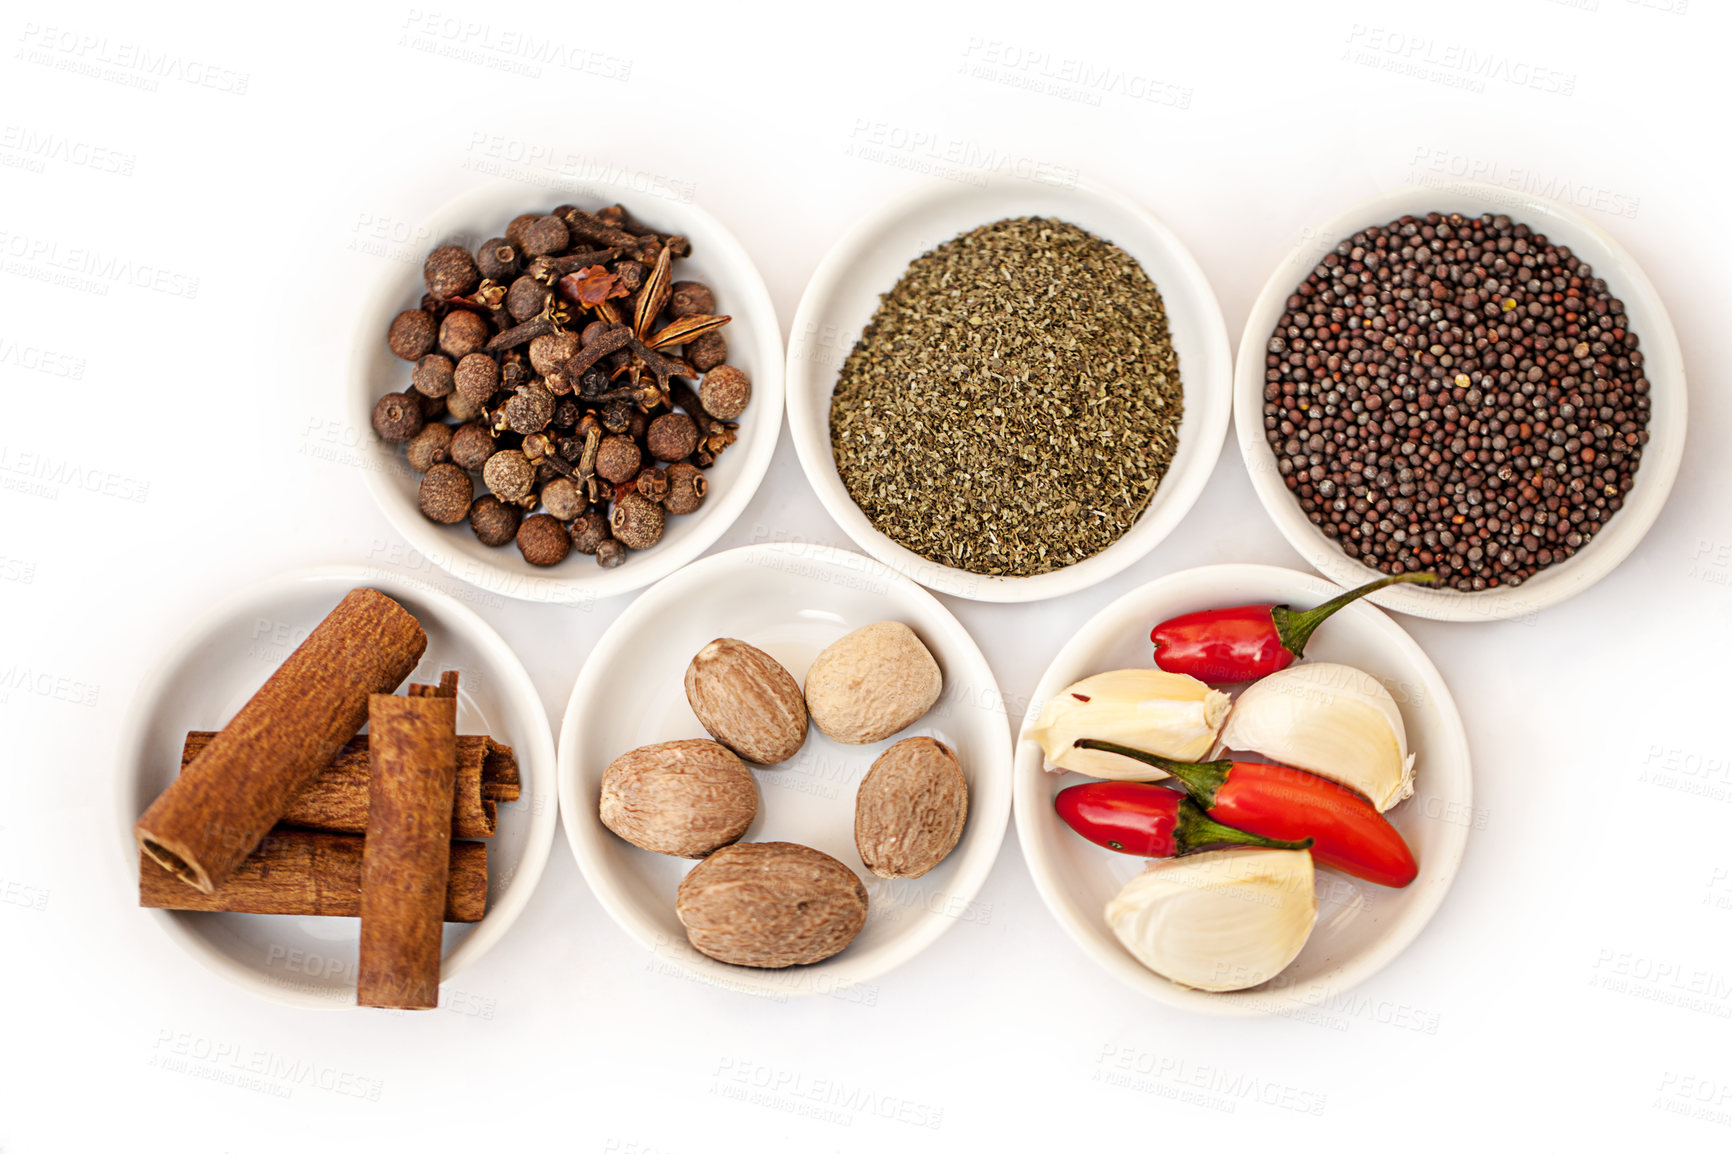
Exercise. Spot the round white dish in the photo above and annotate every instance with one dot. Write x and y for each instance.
(791, 601)
(216, 665)
(754, 345)
(869, 259)
(1360, 927)
(1664, 366)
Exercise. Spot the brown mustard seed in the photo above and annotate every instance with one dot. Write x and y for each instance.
(671, 437)
(548, 354)
(509, 475)
(543, 540)
(498, 259)
(588, 531)
(462, 333)
(429, 447)
(471, 445)
(450, 272)
(494, 522)
(690, 298)
(433, 375)
(636, 521)
(526, 297)
(397, 417)
(618, 459)
(477, 378)
(529, 409)
(412, 334)
(651, 484)
(707, 351)
(686, 488)
(445, 494)
(725, 392)
(546, 237)
(563, 498)
(518, 226)
(610, 554)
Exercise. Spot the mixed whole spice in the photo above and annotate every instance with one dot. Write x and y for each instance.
(556, 362)
(1014, 402)
(1456, 393)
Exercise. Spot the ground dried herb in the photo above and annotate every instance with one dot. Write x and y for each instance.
(1014, 401)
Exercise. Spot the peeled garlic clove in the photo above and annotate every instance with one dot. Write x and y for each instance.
(1222, 920)
(1171, 714)
(1333, 720)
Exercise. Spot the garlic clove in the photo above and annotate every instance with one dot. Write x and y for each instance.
(1221, 920)
(1332, 720)
(1171, 714)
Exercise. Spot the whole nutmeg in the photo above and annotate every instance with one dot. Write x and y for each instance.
(618, 458)
(450, 272)
(910, 809)
(651, 484)
(498, 259)
(549, 353)
(690, 298)
(462, 333)
(445, 494)
(563, 498)
(610, 554)
(707, 351)
(477, 378)
(509, 475)
(684, 798)
(672, 437)
(546, 237)
(460, 407)
(397, 417)
(747, 701)
(434, 375)
(494, 522)
(588, 531)
(636, 521)
(518, 226)
(686, 488)
(543, 540)
(526, 298)
(428, 447)
(770, 904)
(412, 334)
(725, 392)
(871, 683)
(471, 445)
(529, 409)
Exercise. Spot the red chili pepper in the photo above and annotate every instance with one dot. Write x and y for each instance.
(1148, 820)
(1249, 641)
(1281, 802)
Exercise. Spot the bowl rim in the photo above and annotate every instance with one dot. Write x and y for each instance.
(586, 842)
(806, 381)
(569, 583)
(1266, 1000)
(536, 752)
(1666, 423)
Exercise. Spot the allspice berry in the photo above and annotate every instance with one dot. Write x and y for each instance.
(495, 522)
(477, 378)
(610, 554)
(563, 498)
(397, 417)
(432, 408)
(543, 540)
(651, 484)
(636, 522)
(509, 475)
(520, 224)
(462, 333)
(690, 298)
(434, 375)
(460, 407)
(707, 351)
(526, 298)
(725, 392)
(446, 492)
(471, 445)
(549, 353)
(546, 237)
(686, 488)
(671, 437)
(429, 447)
(588, 531)
(498, 259)
(618, 459)
(412, 334)
(529, 409)
(450, 272)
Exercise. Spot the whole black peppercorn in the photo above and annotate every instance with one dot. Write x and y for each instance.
(636, 521)
(546, 237)
(412, 334)
(565, 415)
(397, 417)
(593, 384)
(707, 351)
(549, 353)
(610, 554)
(477, 378)
(434, 375)
(542, 540)
(428, 447)
(471, 445)
(497, 259)
(687, 487)
(725, 392)
(529, 409)
(526, 297)
(519, 224)
(494, 522)
(615, 416)
(630, 274)
(671, 437)
(588, 531)
(509, 475)
(563, 498)
(690, 298)
(450, 272)
(618, 459)
(651, 484)
(446, 492)
(462, 333)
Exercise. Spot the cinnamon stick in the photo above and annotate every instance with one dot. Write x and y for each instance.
(216, 812)
(413, 757)
(336, 800)
(304, 873)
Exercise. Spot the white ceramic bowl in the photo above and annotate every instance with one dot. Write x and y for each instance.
(1360, 927)
(791, 601)
(211, 670)
(754, 344)
(1664, 366)
(872, 256)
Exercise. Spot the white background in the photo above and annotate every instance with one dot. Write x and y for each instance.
(1578, 977)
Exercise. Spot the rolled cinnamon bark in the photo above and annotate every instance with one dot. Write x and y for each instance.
(336, 800)
(217, 811)
(413, 756)
(300, 872)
